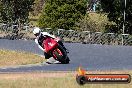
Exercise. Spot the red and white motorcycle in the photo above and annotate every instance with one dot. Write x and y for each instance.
(53, 48)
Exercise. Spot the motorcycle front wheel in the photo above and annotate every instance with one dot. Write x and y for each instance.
(61, 55)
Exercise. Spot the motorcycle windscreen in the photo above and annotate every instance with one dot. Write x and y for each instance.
(49, 44)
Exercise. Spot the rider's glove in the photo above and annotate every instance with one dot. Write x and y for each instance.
(57, 39)
(44, 50)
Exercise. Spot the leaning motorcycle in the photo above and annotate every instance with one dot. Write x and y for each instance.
(55, 50)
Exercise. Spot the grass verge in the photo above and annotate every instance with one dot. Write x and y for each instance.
(13, 58)
(49, 80)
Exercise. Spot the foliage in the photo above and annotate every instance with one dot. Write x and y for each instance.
(37, 7)
(94, 22)
(62, 13)
(15, 11)
(115, 10)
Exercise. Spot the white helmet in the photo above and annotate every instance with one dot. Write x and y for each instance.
(37, 32)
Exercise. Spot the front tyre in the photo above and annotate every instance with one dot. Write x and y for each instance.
(61, 55)
(66, 61)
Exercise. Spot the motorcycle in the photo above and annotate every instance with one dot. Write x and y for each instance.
(53, 48)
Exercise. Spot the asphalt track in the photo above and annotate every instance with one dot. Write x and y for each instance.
(90, 57)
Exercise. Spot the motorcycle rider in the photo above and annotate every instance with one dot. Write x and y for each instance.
(40, 36)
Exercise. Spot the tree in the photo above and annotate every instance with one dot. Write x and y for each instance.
(15, 11)
(115, 10)
(94, 22)
(38, 6)
(62, 13)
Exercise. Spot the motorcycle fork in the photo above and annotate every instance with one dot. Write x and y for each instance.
(60, 53)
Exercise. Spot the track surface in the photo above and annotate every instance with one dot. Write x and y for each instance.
(90, 57)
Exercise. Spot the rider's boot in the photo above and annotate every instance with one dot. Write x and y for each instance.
(51, 60)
